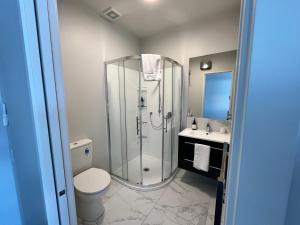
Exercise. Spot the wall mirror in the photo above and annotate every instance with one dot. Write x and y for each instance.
(211, 85)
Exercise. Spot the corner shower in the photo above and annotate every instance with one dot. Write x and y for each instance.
(144, 119)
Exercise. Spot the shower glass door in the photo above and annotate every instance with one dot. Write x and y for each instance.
(117, 127)
(176, 119)
(134, 106)
(151, 92)
(143, 120)
(167, 118)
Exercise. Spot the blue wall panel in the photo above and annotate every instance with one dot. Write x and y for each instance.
(217, 95)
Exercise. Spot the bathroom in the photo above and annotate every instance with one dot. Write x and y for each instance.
(149, 112)
(133, 122)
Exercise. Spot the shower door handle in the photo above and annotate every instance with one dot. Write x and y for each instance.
(166, 129)
(137, 126)
(168, 116)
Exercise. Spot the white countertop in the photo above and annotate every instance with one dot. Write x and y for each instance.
(202, 134)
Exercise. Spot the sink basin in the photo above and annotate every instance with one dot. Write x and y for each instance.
(202, 134)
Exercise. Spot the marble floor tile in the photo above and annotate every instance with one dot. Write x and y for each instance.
(207, 187)
(162, 216)
(191, 191)
(114, 187)
(212, 206)
(119, 212)
(211, 212)
(141, 201)
(187, 200)
(210, 220)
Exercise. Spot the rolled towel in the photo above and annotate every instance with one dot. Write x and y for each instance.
(201, 157)
(151, 67)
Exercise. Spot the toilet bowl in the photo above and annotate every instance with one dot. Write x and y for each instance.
(89, 183)
(90, 186)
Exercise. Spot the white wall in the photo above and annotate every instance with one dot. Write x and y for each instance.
(202, 38)
(88, 41)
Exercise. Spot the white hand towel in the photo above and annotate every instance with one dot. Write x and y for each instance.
(201, 157)
(151, 66)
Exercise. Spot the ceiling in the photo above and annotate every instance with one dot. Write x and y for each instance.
(147, 17)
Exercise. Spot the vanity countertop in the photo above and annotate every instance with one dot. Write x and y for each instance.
(202, 134)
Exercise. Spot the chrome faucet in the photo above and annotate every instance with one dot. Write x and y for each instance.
(208, 127)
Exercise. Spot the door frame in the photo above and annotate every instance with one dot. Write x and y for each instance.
(50, 50)
(36, 90)
(242, 69)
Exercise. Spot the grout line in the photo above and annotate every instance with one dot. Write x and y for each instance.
(155, 204)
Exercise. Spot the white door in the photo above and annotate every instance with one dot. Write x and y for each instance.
(49, 45)
(40, 194)
(9, 206)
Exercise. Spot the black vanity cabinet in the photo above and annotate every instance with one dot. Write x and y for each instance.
(218, 156)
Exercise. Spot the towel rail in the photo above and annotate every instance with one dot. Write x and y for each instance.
(220, 149)
(222, 170)
(213, 167)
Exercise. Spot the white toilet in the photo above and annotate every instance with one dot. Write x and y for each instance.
(89, 183)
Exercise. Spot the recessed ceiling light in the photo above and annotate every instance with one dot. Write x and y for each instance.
(150, 1)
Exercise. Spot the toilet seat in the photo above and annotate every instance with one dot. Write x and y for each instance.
(92, 181)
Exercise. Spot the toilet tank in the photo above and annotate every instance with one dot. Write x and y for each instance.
(81, 153)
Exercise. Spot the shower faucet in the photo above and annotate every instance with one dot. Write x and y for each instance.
(169, 115)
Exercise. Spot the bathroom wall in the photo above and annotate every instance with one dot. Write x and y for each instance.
(205, 37)
(88, 41)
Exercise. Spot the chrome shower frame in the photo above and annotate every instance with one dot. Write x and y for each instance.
(164, 181)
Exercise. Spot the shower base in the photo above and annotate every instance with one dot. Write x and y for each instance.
(151, 173)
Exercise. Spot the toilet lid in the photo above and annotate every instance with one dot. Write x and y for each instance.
(91, 181)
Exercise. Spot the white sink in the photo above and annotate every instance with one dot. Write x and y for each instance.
(202, 134)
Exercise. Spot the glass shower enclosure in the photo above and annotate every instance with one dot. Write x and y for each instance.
(144, 118)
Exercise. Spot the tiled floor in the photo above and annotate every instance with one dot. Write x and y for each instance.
(188, 200)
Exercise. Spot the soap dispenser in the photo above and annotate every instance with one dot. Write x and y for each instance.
(194, 125)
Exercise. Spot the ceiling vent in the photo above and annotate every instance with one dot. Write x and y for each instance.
(111, 14)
